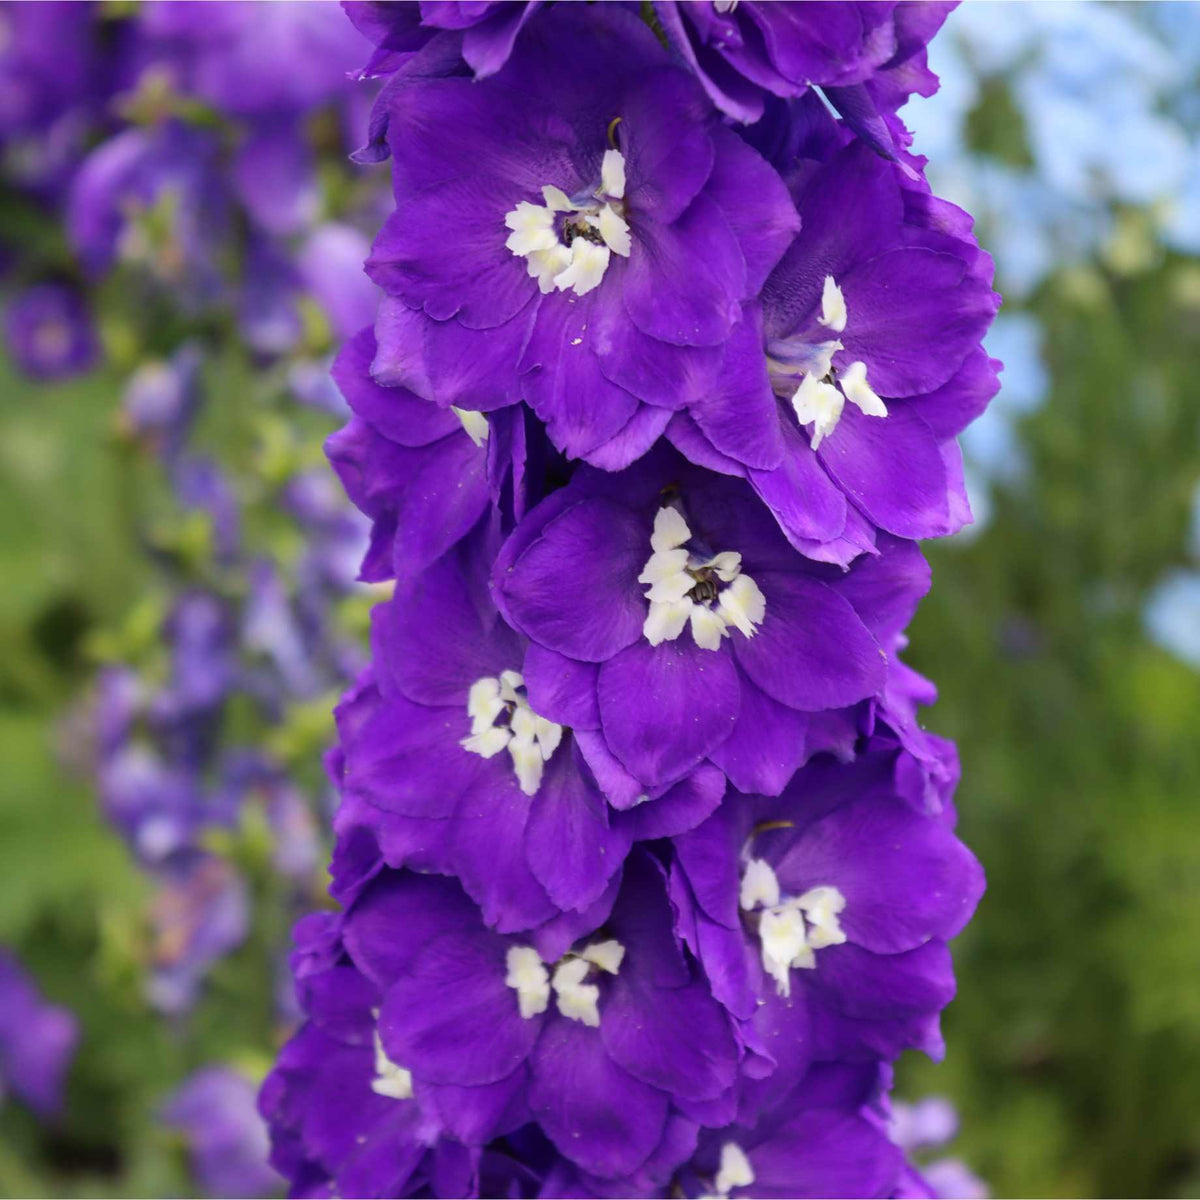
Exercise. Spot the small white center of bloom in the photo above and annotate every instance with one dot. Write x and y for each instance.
(578, 1000)
(683, 588)
(735, 1169)
(475, 424)
(567, 243)
(822, 393)
(790, 928)
(390, 1080)
(527, 976)
(501, 719)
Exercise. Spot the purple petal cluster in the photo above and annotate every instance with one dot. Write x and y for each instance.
(37, 1041)
(647, 870)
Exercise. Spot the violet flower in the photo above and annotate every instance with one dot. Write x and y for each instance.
(49, 333)
(214, 1110)
(37, 1041)
(647, 865)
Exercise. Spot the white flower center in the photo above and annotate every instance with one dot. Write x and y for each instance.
(578, 1000)
(567, 243)
(822, 394)
(501, 719)
(684, 587)
(475, 424)
(390, 1080)
(790, 929)
(735, 1169)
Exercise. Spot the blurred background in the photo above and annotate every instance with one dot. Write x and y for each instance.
(181, 237)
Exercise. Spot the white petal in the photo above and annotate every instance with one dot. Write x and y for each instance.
(707, 628)
(557, 200)
(546, 265)
(390, 1080)
(605, 955)
(548, 735)
(821, 906)
(743, 604)
(858, 391)
(509, 682)
(578, 1001)
(833, 306)
(727, 564)
(587, 267)
(735, 1169)
(612, 174)
(672, 589)
(484, 704)
(614, 229)
(670, 530)
(663, 564)
(475, 423)
(488, 742)
(665, 622)
(819, 404)
(528, 764)
(528, 977)
(781, 931)
(760, 887)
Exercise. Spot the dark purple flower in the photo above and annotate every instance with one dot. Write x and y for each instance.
(37, 1040)
(820, 1140)
(867, 58)
(488, 27)
(52, 90)
(606, 1036)
(49, 332)
(841, 399)
(595, 265)
(821, 917)
(447, 762)
(671, 623)
(215, 1111)
(424, 476)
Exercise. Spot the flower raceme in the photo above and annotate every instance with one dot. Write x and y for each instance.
(647, 869)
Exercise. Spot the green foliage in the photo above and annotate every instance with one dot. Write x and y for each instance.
(1074, 1047)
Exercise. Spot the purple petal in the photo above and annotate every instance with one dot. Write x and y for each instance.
(665, 707)
(812, 651)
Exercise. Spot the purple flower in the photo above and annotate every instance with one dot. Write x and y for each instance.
(342, 1116)
(423, 476)
(52, 85)
(929, 1124)
(215, 1111)
(821, 1140)
(199, 915)
(593, 266)
(606, 1036)
(841, 401)
(821, 917)
(152, 197)
(488, 27)
(49, 332)
(671, 623)
(450, 765)
(161, 401)
(253, 59)
(867, 58)
(37, 1040)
